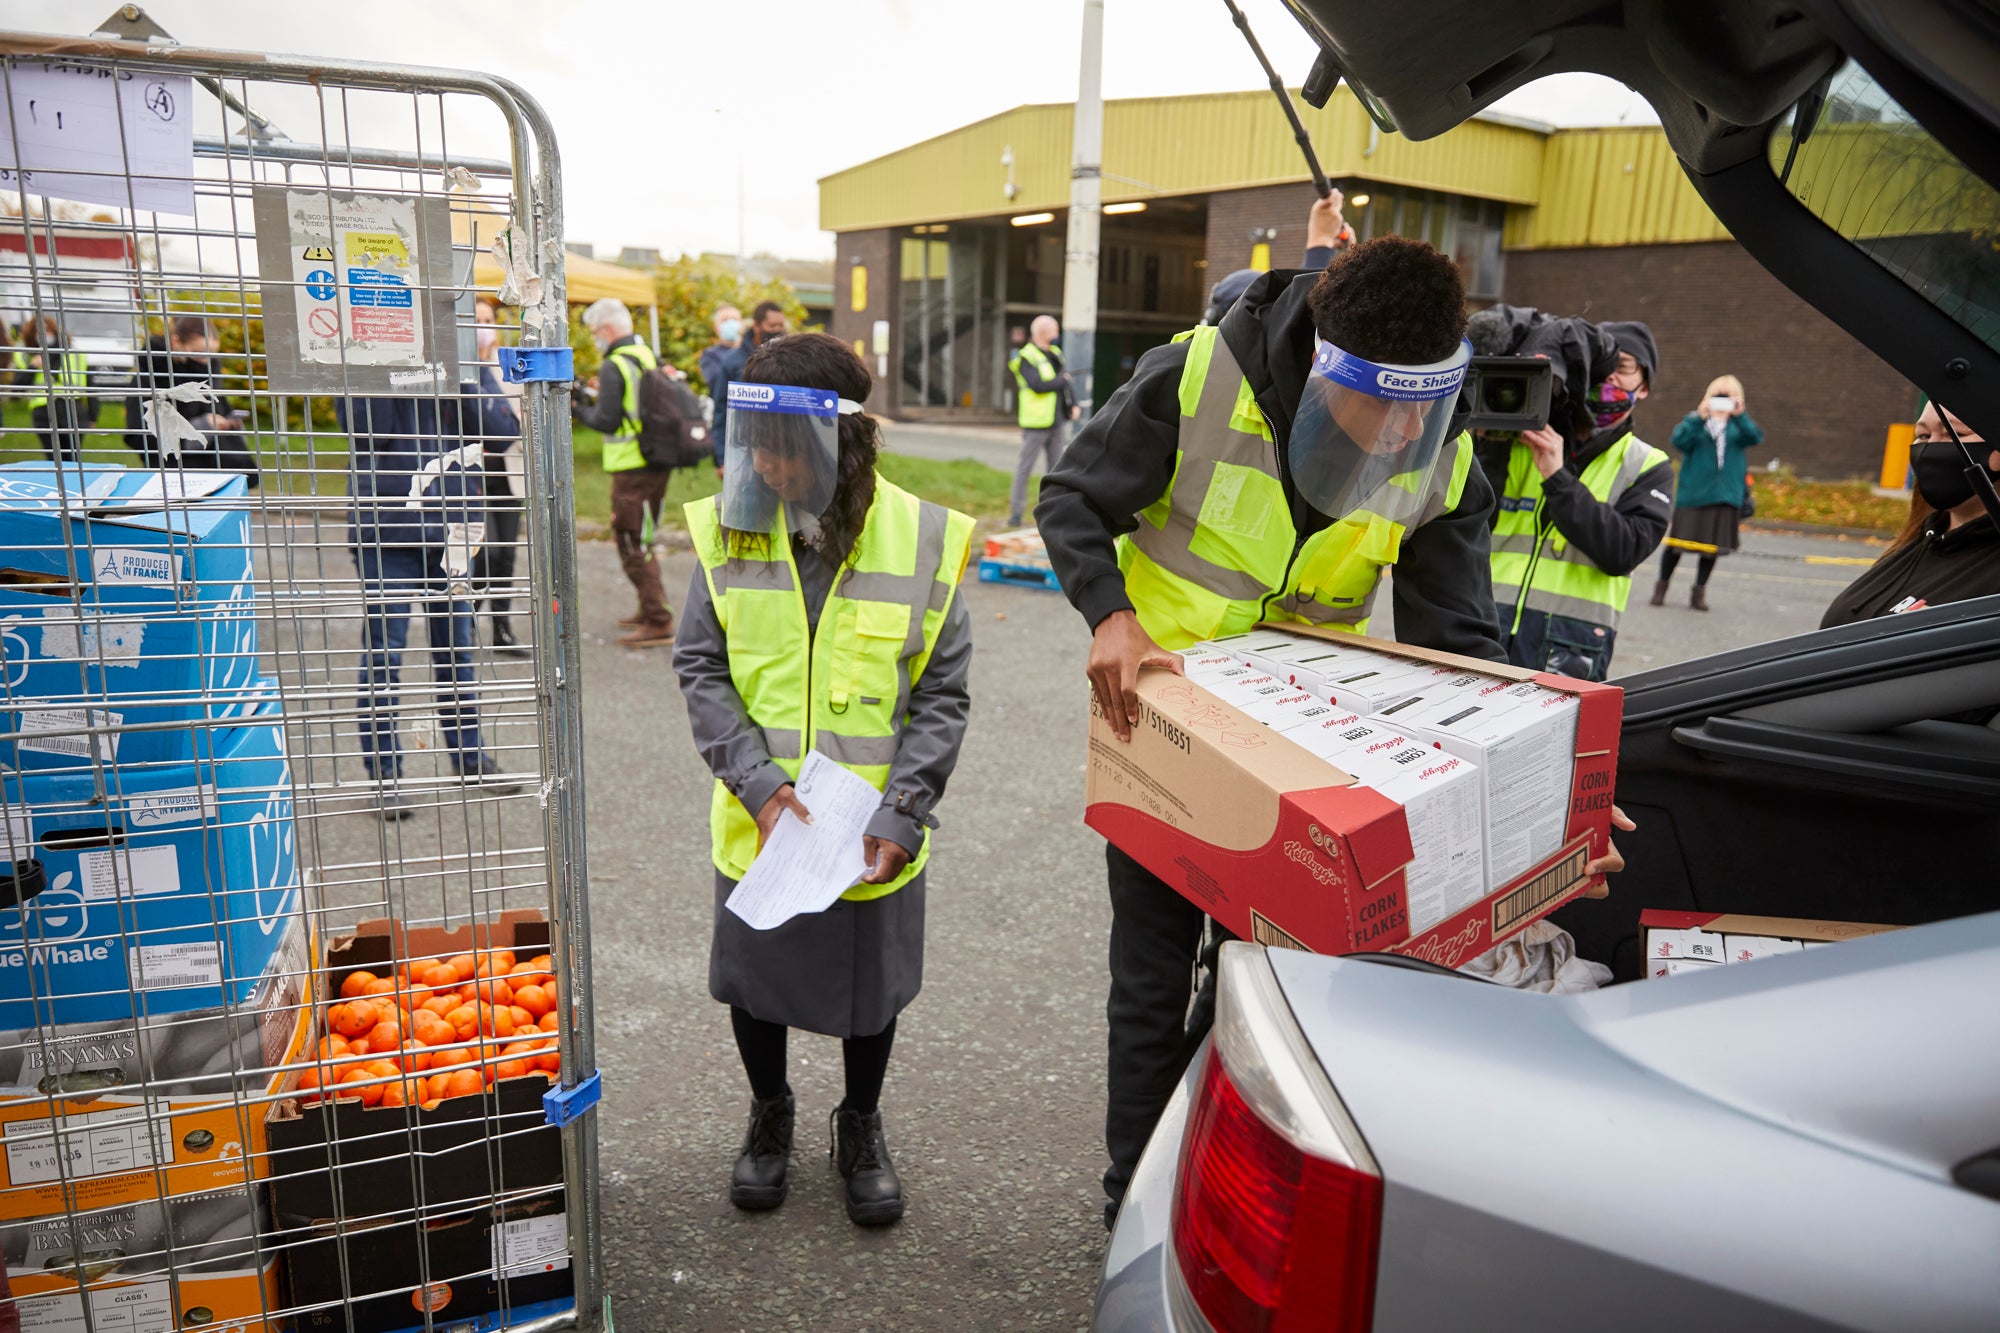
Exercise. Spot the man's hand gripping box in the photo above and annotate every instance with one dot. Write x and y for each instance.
(1283, 848)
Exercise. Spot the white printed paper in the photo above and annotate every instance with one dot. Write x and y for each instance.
(94, 1143)
(136, 1307)
(131, 872)
(42, 728)
(155, 967)
(803, 868)
(102, 136)
(162, 489)
(355, 280)
(530, 1246)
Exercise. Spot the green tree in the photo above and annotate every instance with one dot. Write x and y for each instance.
(689, 291)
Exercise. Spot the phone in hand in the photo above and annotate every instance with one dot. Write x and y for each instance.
(1722, 404)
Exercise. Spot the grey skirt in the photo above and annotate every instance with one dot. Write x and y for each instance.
(1711, 525)
(844, 972)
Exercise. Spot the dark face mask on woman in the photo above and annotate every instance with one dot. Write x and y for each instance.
(1940, 469)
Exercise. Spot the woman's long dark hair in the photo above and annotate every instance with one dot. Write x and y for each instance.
(818, 361)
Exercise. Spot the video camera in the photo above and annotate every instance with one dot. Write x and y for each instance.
(1505, 393)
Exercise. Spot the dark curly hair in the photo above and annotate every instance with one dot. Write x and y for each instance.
(1392, 299)
(819, 361)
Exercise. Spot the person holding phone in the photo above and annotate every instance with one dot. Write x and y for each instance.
(1714, 487)
(824, 616)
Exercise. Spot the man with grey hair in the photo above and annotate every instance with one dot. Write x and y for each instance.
(1045, 406)
(638, 489)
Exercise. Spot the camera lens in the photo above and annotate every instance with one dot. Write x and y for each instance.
(1505, 394)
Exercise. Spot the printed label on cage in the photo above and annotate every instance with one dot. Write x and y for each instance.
(60, 730)
(175, 966)
(128, 872)
(532, 1245)
(140, 1307)
(133, 566)
(182, 805)
(98, 1143)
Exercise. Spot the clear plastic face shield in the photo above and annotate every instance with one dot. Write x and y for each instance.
(783, 455)
(1362, 425)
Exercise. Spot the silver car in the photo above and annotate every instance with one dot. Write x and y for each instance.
(1804, 1142)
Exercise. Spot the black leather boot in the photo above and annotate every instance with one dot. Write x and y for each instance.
(758, 1182)
(874, 1194)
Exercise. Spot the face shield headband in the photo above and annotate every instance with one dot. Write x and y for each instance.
(783, 456)
(1362, 424)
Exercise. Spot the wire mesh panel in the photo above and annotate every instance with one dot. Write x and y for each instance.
(294, 985)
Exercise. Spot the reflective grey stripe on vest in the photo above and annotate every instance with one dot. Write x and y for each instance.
(860, 750)
(1206, 439)
(743, 574)
(1558, 604)
(921, 590)
(781, 742)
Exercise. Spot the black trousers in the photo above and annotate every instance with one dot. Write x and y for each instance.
(1158, 1016)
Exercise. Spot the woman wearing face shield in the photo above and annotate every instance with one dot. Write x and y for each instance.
(1949, 551)
(824, 617)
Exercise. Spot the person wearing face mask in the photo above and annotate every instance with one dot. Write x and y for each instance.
(1272, 466)
(1714, 485)
(500, 428)
(186, 354)
(728, 325)
(767, 325)
(1580, 509)
(823, 617)
(1949, 551)
(638, 488)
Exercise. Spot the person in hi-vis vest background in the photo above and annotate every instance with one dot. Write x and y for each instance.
(1044, 406)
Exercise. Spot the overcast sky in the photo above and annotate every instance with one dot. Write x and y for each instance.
(656, 104)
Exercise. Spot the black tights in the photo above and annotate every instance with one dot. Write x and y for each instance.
(762, 1046)
(1672, 557)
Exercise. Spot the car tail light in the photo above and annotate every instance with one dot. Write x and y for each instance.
(1279, 1213)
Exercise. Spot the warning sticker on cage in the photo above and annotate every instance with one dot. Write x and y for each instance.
(174, 966)
(96, 1143)
(354, 272)
(128, 872)
(531, 1245)
(137, 1307)
(65, 731)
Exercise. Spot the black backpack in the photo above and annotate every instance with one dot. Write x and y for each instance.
(671, 433)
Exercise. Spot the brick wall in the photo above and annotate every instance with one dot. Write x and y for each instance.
(1233, 213)
(876, 251)
(1825, 402)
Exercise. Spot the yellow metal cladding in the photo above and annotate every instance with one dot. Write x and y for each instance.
(1607, 187)
(1586, 187)
(1166, 146)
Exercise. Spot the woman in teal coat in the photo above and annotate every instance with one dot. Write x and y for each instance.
(1713, 486)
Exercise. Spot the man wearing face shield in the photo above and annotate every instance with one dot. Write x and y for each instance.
(1583, 505)
(1271, 467)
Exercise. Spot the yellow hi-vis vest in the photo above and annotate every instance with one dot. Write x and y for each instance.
(1218, 552)
(621, 451)
(843, 689)
(71, 376)
(1535, 570)
(1037, 410)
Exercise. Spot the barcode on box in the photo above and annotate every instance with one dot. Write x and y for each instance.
(175, 966)
(49, 730)
(531, 1245)
(1264, 933)
(1523, 903)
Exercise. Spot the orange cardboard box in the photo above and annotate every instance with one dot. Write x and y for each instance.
(1281, 847)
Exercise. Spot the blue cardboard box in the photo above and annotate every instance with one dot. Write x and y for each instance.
(124, 600)
(169, 891)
